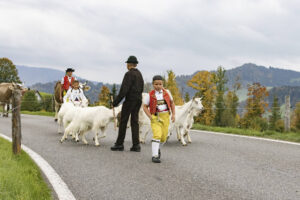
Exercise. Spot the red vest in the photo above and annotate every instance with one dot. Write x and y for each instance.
(67, 84)
(153, 101)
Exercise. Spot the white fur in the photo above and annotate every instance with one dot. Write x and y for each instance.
(90, 118)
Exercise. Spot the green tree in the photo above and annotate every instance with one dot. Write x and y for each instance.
(104, 97)
(172, 86)
(30, 102)
(255, 107)
(114, 91)
(220, 81)
(187, 97)
(8, 71)
(276, 115)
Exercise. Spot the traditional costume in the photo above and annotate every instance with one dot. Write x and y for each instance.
(67, 81)
(159, 103)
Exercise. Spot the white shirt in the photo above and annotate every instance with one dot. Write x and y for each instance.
(74, 95)
(159, 96)
(70, 79)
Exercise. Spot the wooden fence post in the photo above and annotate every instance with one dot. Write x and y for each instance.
(287, 121)
(16, 121)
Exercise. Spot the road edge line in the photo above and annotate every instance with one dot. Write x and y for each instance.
(59, 186)
(250, 137)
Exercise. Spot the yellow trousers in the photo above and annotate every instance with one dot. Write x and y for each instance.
(160, 126)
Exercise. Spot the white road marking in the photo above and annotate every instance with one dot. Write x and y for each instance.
(250, 137)
(55, 180)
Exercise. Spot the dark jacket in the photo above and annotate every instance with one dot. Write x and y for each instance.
(132, 87)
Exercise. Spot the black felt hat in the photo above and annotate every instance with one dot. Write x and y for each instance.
(70, 70)
(132, 59)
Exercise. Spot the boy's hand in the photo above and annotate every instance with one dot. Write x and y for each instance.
(173, 118)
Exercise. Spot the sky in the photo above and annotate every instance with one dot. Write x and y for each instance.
(96, 37)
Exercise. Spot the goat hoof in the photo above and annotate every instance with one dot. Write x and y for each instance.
(93, 139)
(189, 142)
(61, 141)
(97, 145)
(55, 120)
(184, 145)
(77, 140)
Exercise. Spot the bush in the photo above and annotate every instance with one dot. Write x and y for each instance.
(279, 126)
(30, 102)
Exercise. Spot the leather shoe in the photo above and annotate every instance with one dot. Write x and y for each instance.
(117, 148)
(136, 148)
(155, 160)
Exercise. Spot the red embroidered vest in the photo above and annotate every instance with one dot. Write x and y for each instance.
(67, 84)
(153, 101)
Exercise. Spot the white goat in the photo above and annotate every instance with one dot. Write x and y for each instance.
(184, 119)
(67, 113)
(90, 118)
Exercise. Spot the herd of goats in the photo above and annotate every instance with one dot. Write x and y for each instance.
(78, 120)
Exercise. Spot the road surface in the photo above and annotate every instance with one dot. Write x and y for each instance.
(212, 167)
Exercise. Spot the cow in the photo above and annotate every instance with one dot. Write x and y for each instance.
(6, 90)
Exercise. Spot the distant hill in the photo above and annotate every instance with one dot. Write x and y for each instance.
(33, 75)
(248, 74)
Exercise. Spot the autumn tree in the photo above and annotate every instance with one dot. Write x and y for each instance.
(255, 107)
(171, 85)
(296, 117)
(276, 115)
(8, 71)
(220, 81)
(204, 83)
(104, 97)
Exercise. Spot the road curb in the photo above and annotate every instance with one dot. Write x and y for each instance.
(249, 137)
(59, 186)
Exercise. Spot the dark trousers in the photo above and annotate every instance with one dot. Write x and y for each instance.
(130, 108)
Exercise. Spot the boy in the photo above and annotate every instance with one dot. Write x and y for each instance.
(75, 95)
(157, 107)
(67, 82)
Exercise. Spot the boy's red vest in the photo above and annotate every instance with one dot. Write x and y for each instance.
(67, 84)
(153, 100)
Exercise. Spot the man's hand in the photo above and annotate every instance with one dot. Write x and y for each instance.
(173, 118)
(60, 98)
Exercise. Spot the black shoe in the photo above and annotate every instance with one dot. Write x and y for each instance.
(155, 159)
(159, 153)
(136, 148)
(117, 147)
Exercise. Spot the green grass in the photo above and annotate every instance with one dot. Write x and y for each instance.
(291, 136)
(20, 178)
(42, 113)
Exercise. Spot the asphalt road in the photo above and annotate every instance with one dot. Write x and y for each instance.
(212, 167)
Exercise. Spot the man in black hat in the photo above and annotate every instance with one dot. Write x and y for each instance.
(132, 88)
(67, 82)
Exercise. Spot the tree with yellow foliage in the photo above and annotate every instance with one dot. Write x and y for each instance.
(104, 97)
(204, 83)
(171, 85)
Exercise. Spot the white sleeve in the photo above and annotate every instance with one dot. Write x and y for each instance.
(147, 100)
(170, 95)
(82, 96)
(68, 95)
(62, 81)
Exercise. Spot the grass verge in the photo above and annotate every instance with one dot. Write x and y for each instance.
(42, 113)
(20, 178)
(291, 136)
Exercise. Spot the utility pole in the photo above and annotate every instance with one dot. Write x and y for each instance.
(16, 121)
(287, 119)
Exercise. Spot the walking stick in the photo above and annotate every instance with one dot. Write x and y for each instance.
(114, 114)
